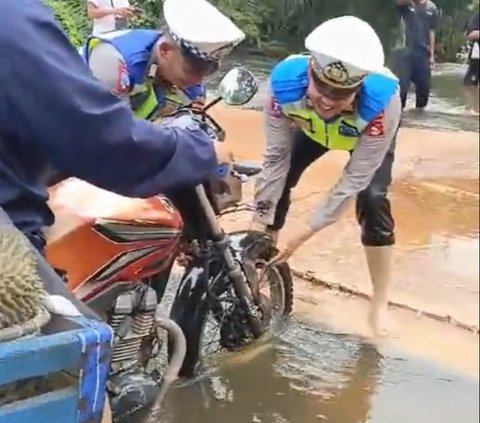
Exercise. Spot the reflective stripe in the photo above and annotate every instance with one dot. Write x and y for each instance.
(143, 101)
(341, 134)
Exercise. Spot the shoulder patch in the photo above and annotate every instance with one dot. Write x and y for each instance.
(274, 108)
(376, 128)
(122, 85)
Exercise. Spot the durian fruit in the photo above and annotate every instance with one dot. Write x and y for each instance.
(21, 289)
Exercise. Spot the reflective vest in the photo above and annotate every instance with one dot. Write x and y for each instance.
(289, 83)
(148, 101)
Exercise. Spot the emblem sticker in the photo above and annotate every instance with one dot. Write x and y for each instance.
(336, 72)
(275, 110)
(122, 85)
(376, 128)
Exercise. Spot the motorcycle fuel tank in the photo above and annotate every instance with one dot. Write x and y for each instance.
(102, 237)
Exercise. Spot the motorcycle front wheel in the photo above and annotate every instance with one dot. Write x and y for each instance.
(210, 314)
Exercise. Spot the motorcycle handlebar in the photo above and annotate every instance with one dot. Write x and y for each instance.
(211, 128)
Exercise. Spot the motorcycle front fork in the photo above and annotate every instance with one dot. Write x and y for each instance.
(235, 272)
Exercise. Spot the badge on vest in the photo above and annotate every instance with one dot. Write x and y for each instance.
(347, 130)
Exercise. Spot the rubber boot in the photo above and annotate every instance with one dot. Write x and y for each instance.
(379, 265)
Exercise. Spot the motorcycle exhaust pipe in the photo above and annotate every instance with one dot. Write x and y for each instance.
(179, 345)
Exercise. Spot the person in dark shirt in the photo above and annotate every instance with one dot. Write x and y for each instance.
(55, 115)
(472, 76)
(414, 54)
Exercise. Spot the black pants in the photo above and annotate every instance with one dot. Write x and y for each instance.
(413, 68)
(372, 207)
(472, 75)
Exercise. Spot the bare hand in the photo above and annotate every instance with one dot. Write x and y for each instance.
(474, 35)
(293, 245)
(223, 153)
(432, 61)
(125, 12)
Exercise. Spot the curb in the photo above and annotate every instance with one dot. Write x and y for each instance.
(310, 277)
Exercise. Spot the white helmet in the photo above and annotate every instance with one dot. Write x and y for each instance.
(344, 51)
(201, 28)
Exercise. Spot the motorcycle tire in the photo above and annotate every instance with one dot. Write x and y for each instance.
(191, 306)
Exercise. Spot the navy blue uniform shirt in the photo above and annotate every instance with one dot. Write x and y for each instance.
(419, 20)
(54, 114)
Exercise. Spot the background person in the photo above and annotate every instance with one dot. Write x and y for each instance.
(414, 54)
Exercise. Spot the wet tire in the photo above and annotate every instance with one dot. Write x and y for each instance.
(191, 307)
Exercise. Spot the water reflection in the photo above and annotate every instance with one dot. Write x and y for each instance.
(332, 379)
(314, 376)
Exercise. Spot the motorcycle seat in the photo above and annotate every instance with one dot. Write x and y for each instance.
(247, 168)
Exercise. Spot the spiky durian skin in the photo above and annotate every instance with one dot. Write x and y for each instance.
(21, 289)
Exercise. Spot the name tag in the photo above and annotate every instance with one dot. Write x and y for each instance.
(347, 130)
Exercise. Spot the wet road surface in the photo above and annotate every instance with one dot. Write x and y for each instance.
(312, 375)
(435, 202)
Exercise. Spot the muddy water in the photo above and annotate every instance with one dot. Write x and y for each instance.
(435, 201)
(312, 375)
(445, 111)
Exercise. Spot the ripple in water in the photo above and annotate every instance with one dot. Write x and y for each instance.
(314, 376)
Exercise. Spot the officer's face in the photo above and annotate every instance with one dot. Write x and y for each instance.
(328, 102)
(175, 68)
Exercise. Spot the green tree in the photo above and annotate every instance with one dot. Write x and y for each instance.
(71, 14)
(286, 22)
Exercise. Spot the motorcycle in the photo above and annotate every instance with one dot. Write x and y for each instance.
(116, 254)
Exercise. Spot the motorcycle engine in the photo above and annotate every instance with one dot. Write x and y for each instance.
(132, 390)
(132, 320)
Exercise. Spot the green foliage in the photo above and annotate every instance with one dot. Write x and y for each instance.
(455, 14)
(71, 14)
(275, 22)
(151, 16)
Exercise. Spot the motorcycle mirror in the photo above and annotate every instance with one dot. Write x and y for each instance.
(237, 87)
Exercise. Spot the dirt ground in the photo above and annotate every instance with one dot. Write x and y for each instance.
(435, 200)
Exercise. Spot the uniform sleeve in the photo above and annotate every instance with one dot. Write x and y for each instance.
(278, 129)
(109, 67)
(276, 161)
(55, 109)
(366, 158)
(435, 16)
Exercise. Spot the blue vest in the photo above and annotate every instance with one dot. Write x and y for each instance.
(136, 46)
(289, 83)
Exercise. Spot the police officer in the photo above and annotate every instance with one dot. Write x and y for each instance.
(339, 97)
(159, 71)
(54, 114)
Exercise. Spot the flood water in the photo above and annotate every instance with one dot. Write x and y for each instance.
(312, 375)
(444, 112)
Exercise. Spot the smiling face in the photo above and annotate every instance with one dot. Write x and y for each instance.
(326, 100)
